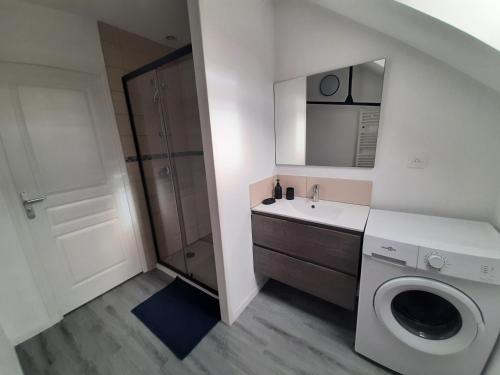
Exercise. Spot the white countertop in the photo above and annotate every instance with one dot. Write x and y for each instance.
(337, 214)
(454, 235)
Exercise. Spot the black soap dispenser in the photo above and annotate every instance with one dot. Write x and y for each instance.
(278, 191)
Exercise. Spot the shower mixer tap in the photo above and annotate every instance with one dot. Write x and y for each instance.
(164, 172)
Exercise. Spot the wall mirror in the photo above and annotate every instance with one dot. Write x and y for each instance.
(330, 118)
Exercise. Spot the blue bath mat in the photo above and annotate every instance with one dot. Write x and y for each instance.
(180, 315)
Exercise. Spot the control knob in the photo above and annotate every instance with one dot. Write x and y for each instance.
(436, 261)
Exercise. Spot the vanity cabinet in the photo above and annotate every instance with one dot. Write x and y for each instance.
(318, 259)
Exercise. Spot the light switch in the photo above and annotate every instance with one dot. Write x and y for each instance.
(418, 161)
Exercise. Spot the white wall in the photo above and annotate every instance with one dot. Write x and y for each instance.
(237, 38)
(22, 310)
(151, 19)
(423, 32)
(428, 108)
(201, 89)
(9, 364)
(37, 35)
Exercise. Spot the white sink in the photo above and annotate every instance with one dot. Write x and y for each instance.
(320, 210)
(337, 214)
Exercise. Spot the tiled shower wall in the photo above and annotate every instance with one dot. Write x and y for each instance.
(123, 53)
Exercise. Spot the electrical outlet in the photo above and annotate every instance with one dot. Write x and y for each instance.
(417, 161)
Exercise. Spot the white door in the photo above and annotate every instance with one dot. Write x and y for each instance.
(60, 144)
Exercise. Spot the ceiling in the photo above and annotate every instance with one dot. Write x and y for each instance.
(427, 34)
(479, 18)
(152, 19)
(461, 33)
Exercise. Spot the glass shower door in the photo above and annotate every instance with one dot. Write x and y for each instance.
(157, 169)
(167, 132)
(180, 106)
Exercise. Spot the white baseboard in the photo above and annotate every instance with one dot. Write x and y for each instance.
(33, 332)
(235, 315)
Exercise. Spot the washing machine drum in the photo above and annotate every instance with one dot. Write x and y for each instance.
(428, 315)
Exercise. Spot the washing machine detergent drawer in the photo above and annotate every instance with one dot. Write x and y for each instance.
(391, 251)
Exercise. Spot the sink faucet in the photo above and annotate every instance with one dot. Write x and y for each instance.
(315, 196)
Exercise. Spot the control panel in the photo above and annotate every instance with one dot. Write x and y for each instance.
(459, 265)
(392, 251)
(435, 260)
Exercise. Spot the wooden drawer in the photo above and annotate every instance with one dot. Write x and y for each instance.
(330, 285)
(322, 246)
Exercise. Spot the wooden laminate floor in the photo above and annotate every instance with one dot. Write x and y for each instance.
(283, 331)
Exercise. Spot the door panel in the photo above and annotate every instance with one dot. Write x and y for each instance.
(56, 130)
(68, 212)
(62, 117)
(83, 246)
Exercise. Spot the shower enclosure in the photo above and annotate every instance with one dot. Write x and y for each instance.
(163, 107)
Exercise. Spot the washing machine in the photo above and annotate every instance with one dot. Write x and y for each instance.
(429, 299)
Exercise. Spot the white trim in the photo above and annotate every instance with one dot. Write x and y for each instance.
(16, 340)
(9, 362)
(208, 155)
(31, 255)
(174, 274)
(236, 314)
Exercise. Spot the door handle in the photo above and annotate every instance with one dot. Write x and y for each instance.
(28, 204)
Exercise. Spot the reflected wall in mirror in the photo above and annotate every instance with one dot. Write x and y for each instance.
(330, 118)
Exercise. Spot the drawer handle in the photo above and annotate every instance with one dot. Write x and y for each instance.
(385, 259)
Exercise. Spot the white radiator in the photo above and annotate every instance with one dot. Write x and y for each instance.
(367, 137)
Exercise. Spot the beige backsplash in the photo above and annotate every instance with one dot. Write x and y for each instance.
(261, 190)
(299, 183)
(330, 189)
(340, 190)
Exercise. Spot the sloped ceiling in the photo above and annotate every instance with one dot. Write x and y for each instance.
(425, 33)
(479, 18)
(152, 19)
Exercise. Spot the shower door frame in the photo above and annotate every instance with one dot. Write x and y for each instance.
(177, 54)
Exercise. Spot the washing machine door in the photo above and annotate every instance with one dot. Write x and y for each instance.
(428, 315)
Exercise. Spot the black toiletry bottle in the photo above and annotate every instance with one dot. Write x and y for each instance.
(278, 192)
